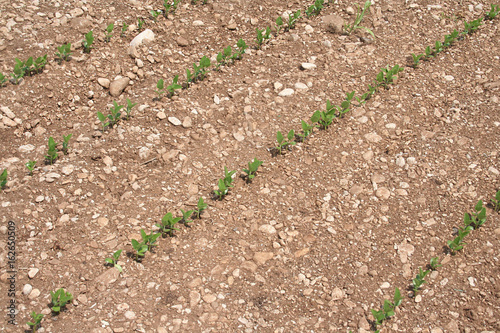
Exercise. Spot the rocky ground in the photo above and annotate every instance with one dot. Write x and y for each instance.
(322, 235)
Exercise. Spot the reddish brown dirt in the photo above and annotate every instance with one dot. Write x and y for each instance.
(321, 236)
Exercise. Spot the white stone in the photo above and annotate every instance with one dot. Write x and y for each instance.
(26, 148)
(33, 272)
(300, 85)
(130, 315)
(238, 136)
(197, 23)
(307, 66)
(8, 112)
(174, 121)
(267, 228)
(27, 289)
(286, 92)
(146, 35)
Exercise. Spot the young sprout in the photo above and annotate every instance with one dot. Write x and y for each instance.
(31, 166)
(115, 114)
(59, 299)
(458, 242)
(349, 28)
(315, 9)
(292, 20)
(87, 42)
(186, 217)
(40, 63)
(388, 309)
(64, 51)
(124, 29)
(155, 14)
(222, 190)
(496, 202)
(279, 24)
(200, 207)
(434, 263)
(140, 249)
(228, 177)
(3, 179)
(416, 59)
(114, 260)
(103, 119)
(128, 110)
(66, 143)
(18, 73)
(159, 87)
(495, 9)
(109, 30)
(140, 23)
(471, 27)
(37, 320)
(149, 240)
(476, 219)
(52, 151)
(284, 143)
(3, 79)
(167, 5)
(252, 169)
(167, 225)
(173, 87)
(418, 281)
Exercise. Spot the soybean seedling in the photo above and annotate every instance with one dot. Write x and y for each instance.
(173, 87)
(477, 218)
(434, 263)
(87, 42)
(200, 207)
(26, 66)
(349, 28)
(175, 4)
(166, 5)
(495, 9)
(108, 32)
(36, 321)
(40, 63)
(458, 242)
(252, 169)
(31, 166)
(224, 57)
(3, 179)
(155, 14)
(51, 152)
(388, 308)
(3, 80)
(496, 202)
(283, 142)
(315, 9)
(228, 177)
(140, 249)
(438, 47)
(279, 24)
(160, 88)
(64, 51)
(222, 190)
(292, 20)
(167, 225)
(115, 114)
(103, 119)
(59, 299)
(186, 217)
(387, 75)
(124, 29)
(114, 260)
(471, 27)
(450, 39)
(140, 23)
(242, 46)
(306, 130)
(418, 281)
(17, 74)
(416, 59)
(66, 143)
(128, 110)
(149, 240)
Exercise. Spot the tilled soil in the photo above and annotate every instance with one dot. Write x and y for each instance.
(322, 235)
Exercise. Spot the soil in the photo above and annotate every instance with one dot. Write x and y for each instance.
(322, 235)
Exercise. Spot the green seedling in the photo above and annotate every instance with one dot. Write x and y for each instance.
(224, 57)
(175, 4)
(124, 29)
(315, 9)
(173, 87)
(200, 207)
(3, 179)
(416, 59)
(114, 260)
(108, 32)
(167, 225)
(279, 24)
(496, 202)
(434, 263)
(59, 299)
(349, 28)
(450, 39)
(283, 142)
(166, 5)
(387, 75)
(292, 20)
(366, 96)
(260, 38)
(458, 242)
(222, 190)
(252, 169)
(471, 27)
(155, 14)
(87, 42)
(306, 130)
(429, 53)
(103, 119)
(64, 51)
(3, 80)
(66, 143)
(18, 73)
(495, 9)
(31, 166)
(26, 66)
(438, 47)
(115, 114)
(186, 217)
(242, 46)
(325, 118)
(128, 110)
(228, 177)
(418, 281)
(477, 218)
(36, 321)
(140, 249)
(40, 63)
(140, 23)
(199, 71)
(149, 240)
(160, 88)
(52, 151)
(388, 308)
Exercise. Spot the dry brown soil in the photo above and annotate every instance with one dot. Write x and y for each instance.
(322, 235)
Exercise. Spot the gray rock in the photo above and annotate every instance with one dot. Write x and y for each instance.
(334, 23)
(117, 86)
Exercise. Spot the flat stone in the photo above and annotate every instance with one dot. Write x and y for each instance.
(68, 169)
(383, 193)
(161, 115)
(108, 277)
(209, 298)
(103, 82)
(337, 294)
(302, 252)
(261, 257)
(8, 112)
(174, 121)
(250, 266)
(130, 315)
(373, 137)
(117, 86)
(267, 228)
(145, 36)
(194, 298)
(385, 285)
(301, 86)
(307, 66)
(27, 289)
(33, 272)
(238, 136)
(187, 122)
(9, 122)
(34, 294)
(198, 23)
(181, 41)
(309, 29)
(286, 92)
(26, 148)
